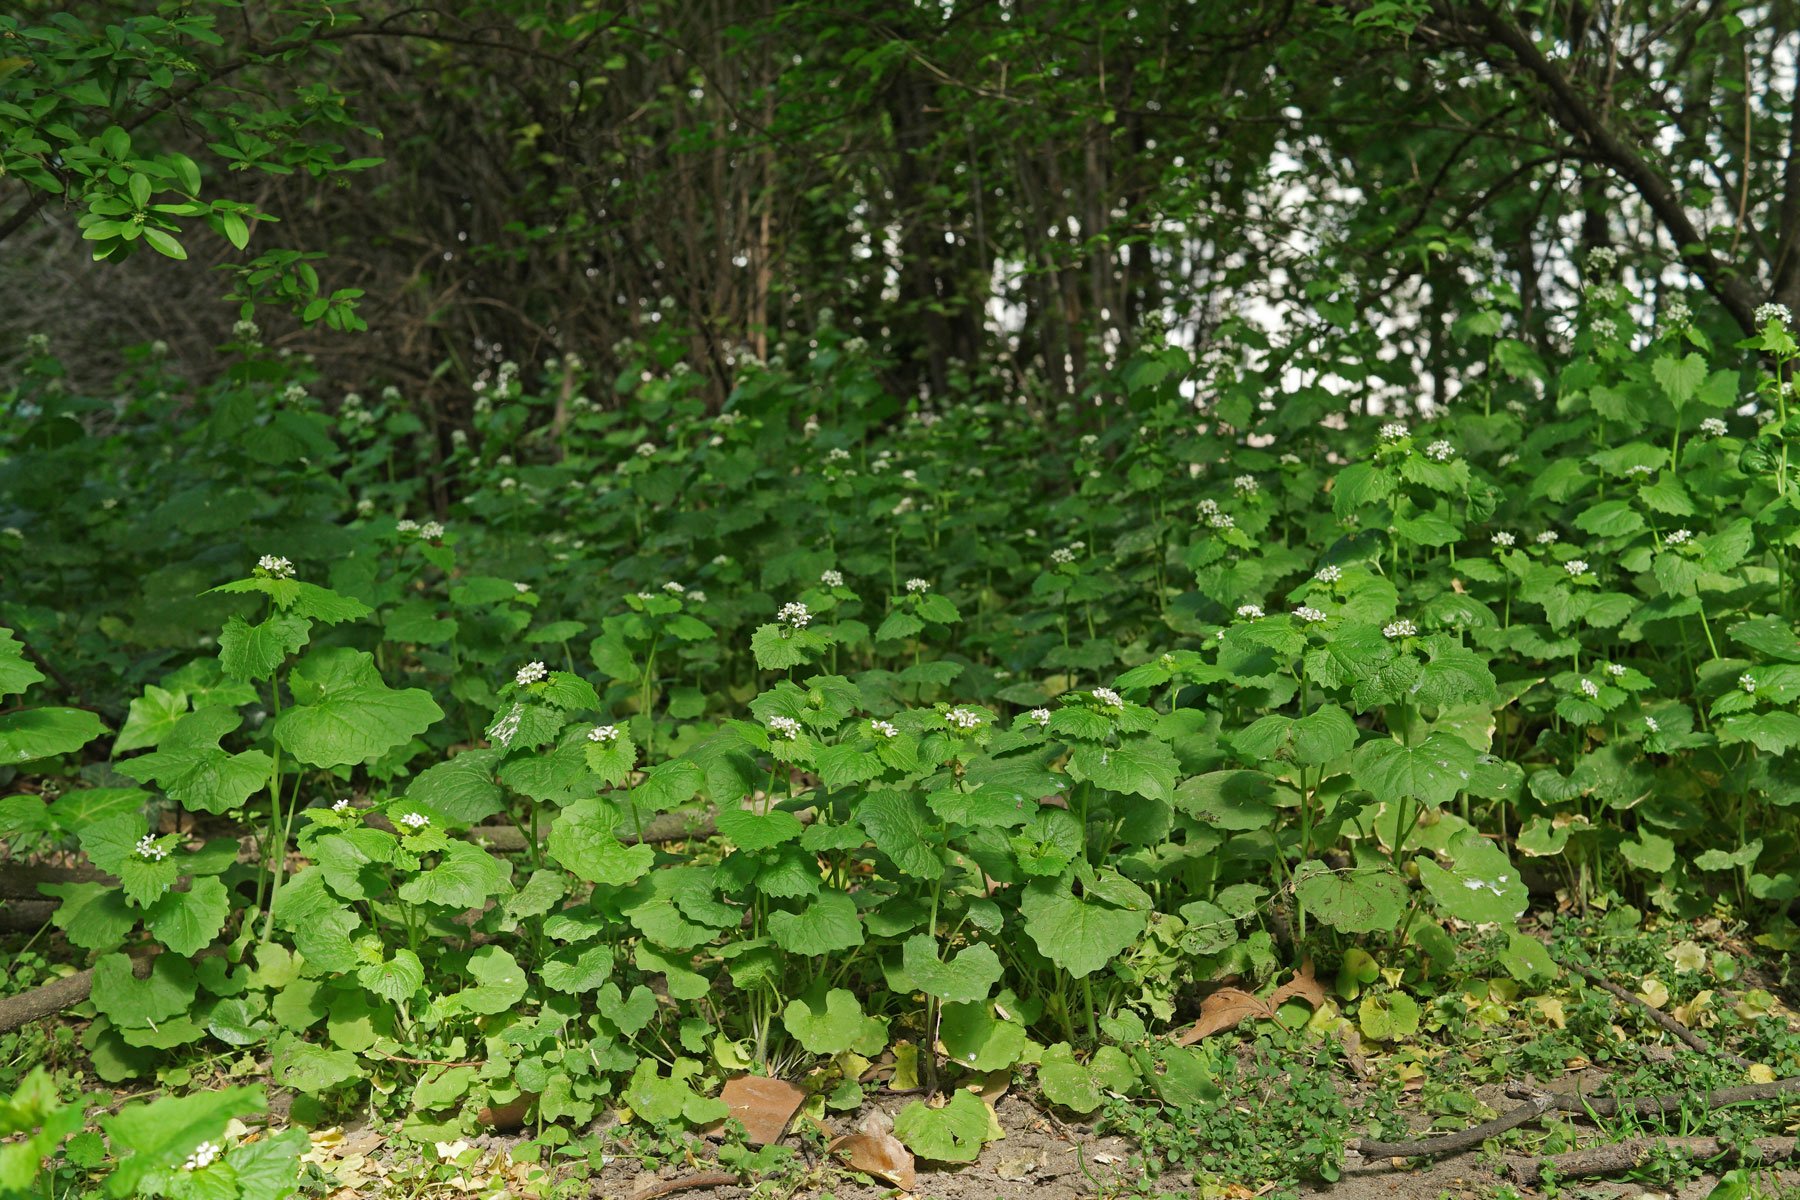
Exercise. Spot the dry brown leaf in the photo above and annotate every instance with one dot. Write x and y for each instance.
(878, 1154)
(504, 1118)
(764, 1105)
(1229, 1006)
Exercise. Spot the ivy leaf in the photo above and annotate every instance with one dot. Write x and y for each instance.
(1432, 772)
(954, 1133)
(826, 926)
(464, 877)
(345, 714)
(582, 839)
(612, 759)
(194, 771)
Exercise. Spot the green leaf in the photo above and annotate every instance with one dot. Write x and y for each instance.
(1482, 886)
(150, 719)
(186, 922)
(135, 1003)
(1389, 1016)
(612, 759)
(978, 1040)
(398, 978)
(253, 652)
(159, 1136)
(16, 672)
(1080, 934)
(92, 915)
(578, 970)
(954, 1133)
(824, 1022)
(45, 732)
(1680, 378)
(464, 877)
(583, 840)
(1141, 766)
(828, 925)
(196, 773)
(968, 976)
(1354, 900)
(500, 982)
(1431, 772)
(311, 1068)
(896, 822)
(1233, 800)
(345, 714)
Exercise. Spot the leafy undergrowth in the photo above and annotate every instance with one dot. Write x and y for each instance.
(1190, 772)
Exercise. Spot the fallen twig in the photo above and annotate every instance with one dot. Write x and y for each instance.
(686, 1183)
(1658, 1017)
(1538, 1103)
(1620, 1157)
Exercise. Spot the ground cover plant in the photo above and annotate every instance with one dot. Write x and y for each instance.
(876, 698)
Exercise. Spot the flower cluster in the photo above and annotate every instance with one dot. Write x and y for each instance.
(1713, 427)
(646, 449)
(1440, 451)
(1399, 629)
(794, 615)
(1062, 555)
(884, 728)
(1680, 537)
(1504, 538)
(414, 820)
(1576, 566)
(787, 727)
(963, 718)
(1329, 574)
(1778, 313)
(1250, 612)
(203, 1156)
(1308, 613)
(1040, 715)
(531, 672)
(275, 567)
(1747, 681)
(1108, 697)
(603, 734)
(507, 727)
(916, 585)
(1393, 431)
(1651, 724)
(1245, 484)
(148, 850)
(1548, 537)
(832, 579)
(1589, 688)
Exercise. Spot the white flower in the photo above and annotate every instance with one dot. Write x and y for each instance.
(916, 585)
(1221, 521)
(1772, 312)
(1747, 681)
(673, 588)
(431, 531)
(203, 1154)
(1290, 460)
(603, 734)
(1677, 312)
(1307, 613)
(1207, 508)
(508, 484)
(963, 718)
(721, 560)
(1576, 566)
(1088, 439)
(1108, 697)
(149, 851)
(905, 506)
(837, 454)
(794, 614)
(365, 507)
(1713, 427)
(910, 475)
(341, 805)
(1040, 715)
(646, 449)
(1602, 259)
(1589, 688)
(278, 567)
(884, 728)
(787, 727)
(507, 727)
(1399, 629)
(1651, 725)
(413, 820)
(1393, 431)
(1062, 554)
(1329, 574)
(531, 672)
(1250, 612)
(1679, 537)
(1616, 670)
(1440, 451)
(1504, 538)
(521, 588)
(1547, 537)
(696, 597)
(1245, 484)
(832, 579)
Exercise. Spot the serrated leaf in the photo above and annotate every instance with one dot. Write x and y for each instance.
(954, 1133)
(827, 925)
(584, 840)
(345, 714)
